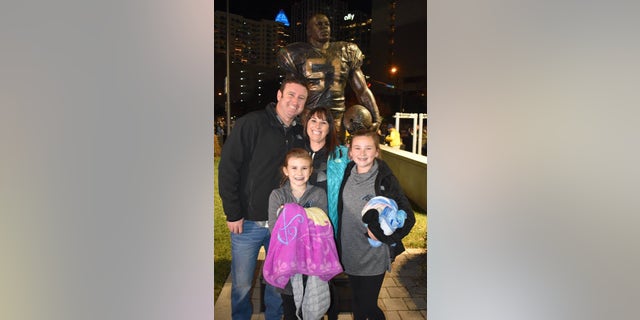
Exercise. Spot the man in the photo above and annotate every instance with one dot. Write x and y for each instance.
(249, 170)
(220, 129)
(327, 66)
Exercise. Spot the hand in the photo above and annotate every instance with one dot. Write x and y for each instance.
(235, 226)
(371, 235)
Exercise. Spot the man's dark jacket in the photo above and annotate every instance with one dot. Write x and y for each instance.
(251, 163)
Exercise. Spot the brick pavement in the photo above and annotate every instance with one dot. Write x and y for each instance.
(403, 295)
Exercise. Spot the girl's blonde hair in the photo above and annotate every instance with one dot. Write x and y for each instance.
(366, 133)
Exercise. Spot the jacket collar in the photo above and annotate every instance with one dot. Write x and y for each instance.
(383, 168)
(275, 119)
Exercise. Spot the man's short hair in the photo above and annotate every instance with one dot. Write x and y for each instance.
(290, 78)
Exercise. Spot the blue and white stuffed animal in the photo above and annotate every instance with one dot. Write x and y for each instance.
(382, 217)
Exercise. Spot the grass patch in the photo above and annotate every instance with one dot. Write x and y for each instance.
(221, 240)
(417, 238)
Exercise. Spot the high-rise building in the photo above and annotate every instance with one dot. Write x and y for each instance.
(253, 45)
(399, 30)
(252, 42)
(282, 17)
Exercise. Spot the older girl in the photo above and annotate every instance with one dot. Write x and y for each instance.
(364, 178)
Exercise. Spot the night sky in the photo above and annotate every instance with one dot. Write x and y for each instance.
(268, 9)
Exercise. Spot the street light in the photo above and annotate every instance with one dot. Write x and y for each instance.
(394, 72)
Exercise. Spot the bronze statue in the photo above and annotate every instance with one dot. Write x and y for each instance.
(327, 66)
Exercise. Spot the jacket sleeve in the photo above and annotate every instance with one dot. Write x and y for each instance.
(234, 155)
(322, 201)
(275, 203)
(336, 164)
(394, 191)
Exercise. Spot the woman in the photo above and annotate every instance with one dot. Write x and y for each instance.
(328, 169)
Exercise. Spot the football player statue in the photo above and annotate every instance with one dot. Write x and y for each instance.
(328, 66)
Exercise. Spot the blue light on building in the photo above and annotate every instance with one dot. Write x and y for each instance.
(282, 18)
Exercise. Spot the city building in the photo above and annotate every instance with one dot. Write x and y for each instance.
(252, 42)
(252, 64)
(398, 73)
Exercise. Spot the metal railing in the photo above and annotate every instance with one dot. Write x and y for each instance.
(421, 117)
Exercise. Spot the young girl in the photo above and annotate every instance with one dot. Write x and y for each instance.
(365, 178)
(295, 186)
(296, 189)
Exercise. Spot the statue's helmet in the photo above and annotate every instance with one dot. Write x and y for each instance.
(357, 117)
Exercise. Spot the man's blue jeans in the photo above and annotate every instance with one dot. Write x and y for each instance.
(244, 254)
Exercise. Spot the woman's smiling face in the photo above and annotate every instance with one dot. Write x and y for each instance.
(317, 129)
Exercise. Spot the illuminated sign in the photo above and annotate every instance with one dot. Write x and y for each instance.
(349, 16)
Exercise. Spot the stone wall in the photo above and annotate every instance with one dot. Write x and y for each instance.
(411, 171)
